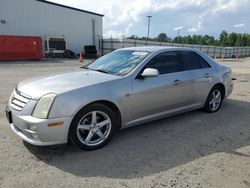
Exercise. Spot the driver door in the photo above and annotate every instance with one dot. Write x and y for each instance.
(155, 96)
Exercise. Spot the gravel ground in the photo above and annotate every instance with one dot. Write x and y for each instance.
(194, 149)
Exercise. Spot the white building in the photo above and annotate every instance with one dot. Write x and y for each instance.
(41, 18)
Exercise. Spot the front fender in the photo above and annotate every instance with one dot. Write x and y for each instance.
(69, 103)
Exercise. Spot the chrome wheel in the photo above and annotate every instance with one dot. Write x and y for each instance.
(94, 128)
(215, 100)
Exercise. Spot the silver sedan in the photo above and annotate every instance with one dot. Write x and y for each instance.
(127, 87)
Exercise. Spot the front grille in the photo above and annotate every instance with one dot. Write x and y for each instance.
(19, 100)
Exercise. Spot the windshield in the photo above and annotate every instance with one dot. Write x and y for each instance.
(119, 62)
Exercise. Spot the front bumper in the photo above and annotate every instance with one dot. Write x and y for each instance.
(36, 131)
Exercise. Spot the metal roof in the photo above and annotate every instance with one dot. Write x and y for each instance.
(72, 8)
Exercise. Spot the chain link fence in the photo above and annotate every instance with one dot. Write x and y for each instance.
(111, 44)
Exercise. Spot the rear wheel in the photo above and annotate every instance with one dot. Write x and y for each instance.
(92, 127)
(214, 100)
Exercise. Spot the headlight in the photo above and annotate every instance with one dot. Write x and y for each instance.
(43, 106)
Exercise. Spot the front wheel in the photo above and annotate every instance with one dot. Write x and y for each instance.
(92, 127)
(214, 100)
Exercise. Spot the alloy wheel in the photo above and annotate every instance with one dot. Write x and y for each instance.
(215, 100)
(94, 128)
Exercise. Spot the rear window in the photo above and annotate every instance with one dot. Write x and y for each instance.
(193, 61)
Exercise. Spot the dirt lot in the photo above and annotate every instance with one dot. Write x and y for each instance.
(195, 149)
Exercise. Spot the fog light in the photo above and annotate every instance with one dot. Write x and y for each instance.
(32, 127)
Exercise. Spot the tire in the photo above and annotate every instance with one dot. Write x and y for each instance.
(92, 127)
(214, 103)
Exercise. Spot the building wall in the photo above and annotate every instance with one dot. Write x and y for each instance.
(31, 17)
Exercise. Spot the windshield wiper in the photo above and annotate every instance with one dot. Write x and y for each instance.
(98, 70)
(85, 67)
(101, 70)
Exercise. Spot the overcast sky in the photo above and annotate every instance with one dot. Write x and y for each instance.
(127, 17)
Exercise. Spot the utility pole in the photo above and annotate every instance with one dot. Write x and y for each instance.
(149, 17)
(178, 30)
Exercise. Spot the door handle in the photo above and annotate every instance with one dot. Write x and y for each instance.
(177, 82)
(207, 75)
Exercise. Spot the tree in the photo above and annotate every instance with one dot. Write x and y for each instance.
(223, 38)
(248, 40)
(244, 40)
(175, 40)
(232, 38)
(188, 39)
(162, 37)
(211, 41)
(133, 37)
(204, 40)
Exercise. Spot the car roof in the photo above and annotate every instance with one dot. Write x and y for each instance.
(156, 48)
(160, 49)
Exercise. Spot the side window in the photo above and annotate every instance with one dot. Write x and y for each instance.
(203, 63)
(192, 61)
(166, 62)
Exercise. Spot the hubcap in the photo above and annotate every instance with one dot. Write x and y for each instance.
(94, 128)
(215, 101)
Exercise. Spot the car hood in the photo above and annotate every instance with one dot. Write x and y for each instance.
(60, 83)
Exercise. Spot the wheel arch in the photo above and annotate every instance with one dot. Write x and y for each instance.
(222, 86)
(114, 107)
(109, 104)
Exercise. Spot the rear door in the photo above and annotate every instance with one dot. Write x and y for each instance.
(197, 78)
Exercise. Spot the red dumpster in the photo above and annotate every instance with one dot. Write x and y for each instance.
(20, 48)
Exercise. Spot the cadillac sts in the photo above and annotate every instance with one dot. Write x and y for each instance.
(126, 87)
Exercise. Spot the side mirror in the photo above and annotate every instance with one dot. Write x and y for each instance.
(150, 72)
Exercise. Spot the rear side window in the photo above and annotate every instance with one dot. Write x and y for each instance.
(192, 61)
(203, 63)
(166, 62)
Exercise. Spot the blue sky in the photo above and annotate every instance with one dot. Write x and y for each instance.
(190, 16)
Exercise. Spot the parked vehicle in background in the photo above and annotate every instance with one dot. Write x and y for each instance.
(127, 87)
